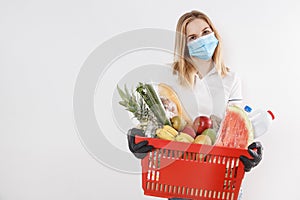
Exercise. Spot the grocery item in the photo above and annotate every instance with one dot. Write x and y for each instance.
(201, 123)
(203, 139)
(236, 129)
(169, 106)
(261, 120)
(189, 130)
(166, 133)
(183, 137)
(169, 133)
(216, 122)
(178, 122)
(133, 103)
(211, 133)
(153, 101)
(165, 91)
(170, 129)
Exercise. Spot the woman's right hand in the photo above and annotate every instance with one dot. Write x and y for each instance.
(140, 149)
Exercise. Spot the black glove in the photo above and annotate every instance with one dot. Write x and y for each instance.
(140, 149)
(257, 156)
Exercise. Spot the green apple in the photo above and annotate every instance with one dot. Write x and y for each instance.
(211, 133)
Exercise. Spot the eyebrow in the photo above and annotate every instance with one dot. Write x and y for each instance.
(201, 31)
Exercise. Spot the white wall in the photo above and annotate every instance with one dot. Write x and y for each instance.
(43, 46)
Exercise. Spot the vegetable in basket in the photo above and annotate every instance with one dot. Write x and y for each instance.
(153, 101)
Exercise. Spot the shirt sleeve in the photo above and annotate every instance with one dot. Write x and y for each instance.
(235, 96)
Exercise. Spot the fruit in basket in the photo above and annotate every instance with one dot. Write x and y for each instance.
(165, 91)
(189, 130)
(203, 139)
(166, 133)
(134, 104)
(183, 137)
(163, 134)
(178, 122)
(236, 129)
(170, 129)
(201, 123)
(169, 133)
(211, 133)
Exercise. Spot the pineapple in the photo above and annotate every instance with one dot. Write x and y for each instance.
(136, 105)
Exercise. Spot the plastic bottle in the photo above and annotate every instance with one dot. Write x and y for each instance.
(260, 119)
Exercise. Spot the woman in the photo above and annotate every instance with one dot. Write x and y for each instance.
(199, 66)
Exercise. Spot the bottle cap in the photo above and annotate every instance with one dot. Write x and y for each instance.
(272, 115)
(248, 109)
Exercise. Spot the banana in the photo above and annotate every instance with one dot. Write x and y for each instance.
(169, 133)
(158, 130)
(164, 134)
(171, 130)
(183, 137)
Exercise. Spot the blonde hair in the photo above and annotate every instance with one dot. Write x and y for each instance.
(183, 65)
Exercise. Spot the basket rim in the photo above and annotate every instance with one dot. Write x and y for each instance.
(193, 148)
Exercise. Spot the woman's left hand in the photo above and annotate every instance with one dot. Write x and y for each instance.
(257, 156)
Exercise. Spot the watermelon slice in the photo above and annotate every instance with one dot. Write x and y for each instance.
(236, 129)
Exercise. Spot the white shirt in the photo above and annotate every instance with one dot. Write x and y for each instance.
(210, 95)
(214, 93)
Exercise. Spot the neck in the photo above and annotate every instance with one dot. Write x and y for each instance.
(203, 66)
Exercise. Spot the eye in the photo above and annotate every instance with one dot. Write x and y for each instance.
(191, 38)
(206, 32)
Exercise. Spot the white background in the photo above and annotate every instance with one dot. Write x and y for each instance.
(43, 46)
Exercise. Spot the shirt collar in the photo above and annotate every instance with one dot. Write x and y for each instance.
(212, 71)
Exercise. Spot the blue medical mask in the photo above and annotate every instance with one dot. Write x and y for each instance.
(203, 47)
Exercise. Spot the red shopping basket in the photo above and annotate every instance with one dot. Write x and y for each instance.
(193, 171)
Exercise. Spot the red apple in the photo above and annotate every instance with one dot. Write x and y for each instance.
(201, 123)
(189, 130)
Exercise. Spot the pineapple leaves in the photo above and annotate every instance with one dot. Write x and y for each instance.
(133, 103)
(121, 93)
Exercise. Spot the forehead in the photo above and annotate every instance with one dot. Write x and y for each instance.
(196, 26)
